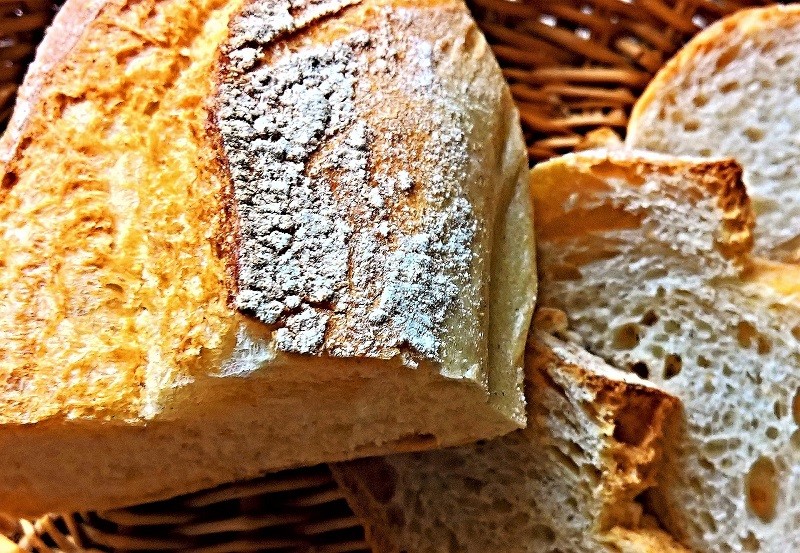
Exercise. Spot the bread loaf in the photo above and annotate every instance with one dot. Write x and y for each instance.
(244, 236)
(734, 90)
(650, 257)
(570, 481)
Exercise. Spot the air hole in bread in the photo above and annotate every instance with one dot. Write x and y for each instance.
(640, 369)
(779, 409)
(727, 56)
(9, 180)
(750, 542)
(797, 85)
(700, 100)
(627, 336)
(772, 433)
(762, 489)
(703, 362)
(566, 460)
(704, 152)
(796, 332)
(649, 318)
(745, 333)
(708, 465)
(754, 134)
(794, 439)
(657, 351)
(502, 505)
(764, 345)
(633, 423)
(796, 407)
(729, 87)
(542, 533)
(726, 370)
(716, 447)
(672, 327)
(672, 365)
(708, 522)
(691, 125)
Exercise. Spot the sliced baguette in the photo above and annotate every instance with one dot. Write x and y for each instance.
(568, 482)
(734, 90)
(649, 256)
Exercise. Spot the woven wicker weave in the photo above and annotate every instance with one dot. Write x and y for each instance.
(297, 510)
(574, 66)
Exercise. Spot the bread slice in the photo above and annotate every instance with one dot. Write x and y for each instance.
(734, 90)
(239, 237)
(568, 482)
(649, 256)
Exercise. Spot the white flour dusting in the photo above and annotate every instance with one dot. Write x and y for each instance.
(334, 248)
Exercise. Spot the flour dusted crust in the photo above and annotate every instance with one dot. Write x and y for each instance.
(347, 158)
(227, 224)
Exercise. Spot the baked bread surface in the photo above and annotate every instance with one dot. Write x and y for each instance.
(243, 223)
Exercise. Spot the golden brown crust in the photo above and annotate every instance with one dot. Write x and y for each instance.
(717, 179)
(745, 21)
(68, 26)
(98, 264)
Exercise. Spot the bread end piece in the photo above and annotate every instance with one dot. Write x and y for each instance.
(126, 347)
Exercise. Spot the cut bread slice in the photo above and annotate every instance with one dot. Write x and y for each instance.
(734, 90)
(237, 237)
(568, 482)
(649, 257)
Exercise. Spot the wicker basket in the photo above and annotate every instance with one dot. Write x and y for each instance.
(573, 65)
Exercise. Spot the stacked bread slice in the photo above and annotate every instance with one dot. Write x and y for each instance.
(656, 274)
(571, 481)
(650, 257)
(734, 90)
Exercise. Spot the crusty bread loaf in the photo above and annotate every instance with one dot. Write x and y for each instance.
(568, 482)
(734, 90)
(650, 257)
(239, 237)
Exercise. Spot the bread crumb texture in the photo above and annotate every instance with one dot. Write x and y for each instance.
(109, 209)
(571, 481)
(734, 90)
(346, 147)
(679, 300)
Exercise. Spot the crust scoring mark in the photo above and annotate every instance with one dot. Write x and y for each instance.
(323, 254)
